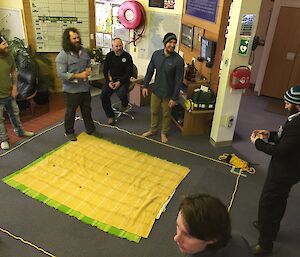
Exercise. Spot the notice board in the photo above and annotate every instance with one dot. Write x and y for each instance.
(203, 9)
(51, 17)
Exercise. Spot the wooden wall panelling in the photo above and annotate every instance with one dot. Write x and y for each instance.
(92, 21)
(212, 31)
(28, 24)
(220, 45)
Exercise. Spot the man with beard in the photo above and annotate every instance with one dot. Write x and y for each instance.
(73, 67)
(8, 94)
(117, 70)
(283, 171)
(204, 229)
(169, 67)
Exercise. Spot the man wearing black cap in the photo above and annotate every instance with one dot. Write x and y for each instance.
(8, 94)
(283, 173)
(169, 67)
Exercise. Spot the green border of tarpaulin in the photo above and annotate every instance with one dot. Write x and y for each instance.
(65, 209)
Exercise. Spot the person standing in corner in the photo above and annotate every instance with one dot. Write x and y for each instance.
(73, 67)
(204, 229)
(117, 70)
(169, 67)
(8, 94)
(283, 172)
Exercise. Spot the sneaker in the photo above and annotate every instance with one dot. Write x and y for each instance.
(27, 133)
(71, 137)
(4, 145)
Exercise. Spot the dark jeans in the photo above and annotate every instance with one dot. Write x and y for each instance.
(83, 100)
(272, 205)
(9, 104)
(122, 93)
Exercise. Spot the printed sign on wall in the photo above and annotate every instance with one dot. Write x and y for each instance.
(203, 9)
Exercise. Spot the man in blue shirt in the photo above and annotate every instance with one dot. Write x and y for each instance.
(169, 67)
(73, 67)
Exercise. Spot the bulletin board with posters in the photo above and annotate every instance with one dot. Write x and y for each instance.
(108, 25)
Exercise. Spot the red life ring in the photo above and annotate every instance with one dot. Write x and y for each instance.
(131, 14)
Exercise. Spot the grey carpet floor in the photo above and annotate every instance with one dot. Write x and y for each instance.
(65, 236)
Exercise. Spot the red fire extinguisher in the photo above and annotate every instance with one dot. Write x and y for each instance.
(240, 77)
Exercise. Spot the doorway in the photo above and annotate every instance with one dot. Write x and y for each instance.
(283, 66)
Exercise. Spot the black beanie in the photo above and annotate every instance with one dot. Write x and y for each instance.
(2, 38)
(293, 95)
(169, 36)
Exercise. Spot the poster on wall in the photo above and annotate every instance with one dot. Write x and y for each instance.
(166, 4)
(203, 9)
(51, 18)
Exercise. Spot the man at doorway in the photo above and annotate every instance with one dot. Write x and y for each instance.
(283, 172)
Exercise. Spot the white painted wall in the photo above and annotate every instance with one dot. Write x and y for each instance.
(228, 100)
(262, 27)
(12, 19)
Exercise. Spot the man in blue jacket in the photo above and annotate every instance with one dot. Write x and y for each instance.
(283, 172)
(169, 68)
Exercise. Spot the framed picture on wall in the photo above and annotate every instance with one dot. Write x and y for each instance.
(187, 35)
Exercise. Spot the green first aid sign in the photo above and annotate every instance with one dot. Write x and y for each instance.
(244, 45)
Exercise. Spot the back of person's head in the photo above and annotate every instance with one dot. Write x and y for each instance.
(207, 219)
(66, 42)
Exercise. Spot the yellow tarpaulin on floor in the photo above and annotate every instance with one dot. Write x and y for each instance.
(105, 182)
